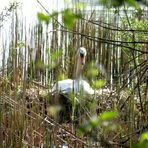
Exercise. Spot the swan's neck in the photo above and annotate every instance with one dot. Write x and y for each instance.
(78, 74)
(79, 69)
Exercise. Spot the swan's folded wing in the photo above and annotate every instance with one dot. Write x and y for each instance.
(69, 85)
(86, 87)
(64, 86)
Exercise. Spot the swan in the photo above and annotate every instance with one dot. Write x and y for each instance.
(69, 85)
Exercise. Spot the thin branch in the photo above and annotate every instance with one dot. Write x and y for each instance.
(113, 29)
(97, 39)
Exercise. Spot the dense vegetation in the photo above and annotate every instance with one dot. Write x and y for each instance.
(34, 57)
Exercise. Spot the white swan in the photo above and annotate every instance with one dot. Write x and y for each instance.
(69, 85)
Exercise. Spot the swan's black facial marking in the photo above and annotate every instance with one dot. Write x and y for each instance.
(82, 55)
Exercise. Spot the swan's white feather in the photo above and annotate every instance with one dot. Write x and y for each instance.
(85, 86)
(69, 85)
(64, 86)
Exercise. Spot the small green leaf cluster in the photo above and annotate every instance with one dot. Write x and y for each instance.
(143, 143)
(46, 17)
(69, 18)
(103, 120)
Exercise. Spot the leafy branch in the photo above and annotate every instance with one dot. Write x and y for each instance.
(7, 12)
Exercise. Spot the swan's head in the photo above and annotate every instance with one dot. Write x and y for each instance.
(82, 55)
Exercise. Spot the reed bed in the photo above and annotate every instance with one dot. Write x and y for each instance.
(35, 58)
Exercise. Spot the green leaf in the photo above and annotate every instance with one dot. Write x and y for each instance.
(93, 72)
(109, 115)
(99, 83)
(61, 77)
(43, 18)
(56, 55)
(69, 18)
(143, 143)
(21, 44)
(144, 137)
(133, 3)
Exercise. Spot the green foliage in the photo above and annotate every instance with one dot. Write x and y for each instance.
(55, 55)
(144, 137)
(61, 77)
(40, 64)
(79, 5)
(54, 58)
(20, 44)
(43, 17)
(138, 36)
(138, 24)
(7, 11)
(119, 3)
(46, 17)
(114, 3)
(99, 83)
(109, 115)
(103, 120)
(92, 73)
(143, 143)
(69, 18)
